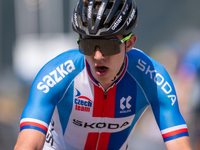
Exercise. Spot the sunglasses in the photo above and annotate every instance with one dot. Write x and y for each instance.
(108, 47)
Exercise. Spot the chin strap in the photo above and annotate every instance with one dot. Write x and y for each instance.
(122, 66)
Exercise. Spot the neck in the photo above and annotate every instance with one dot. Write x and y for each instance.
(106, 86)
(107, 83)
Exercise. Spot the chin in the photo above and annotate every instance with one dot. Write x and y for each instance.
(103, 79)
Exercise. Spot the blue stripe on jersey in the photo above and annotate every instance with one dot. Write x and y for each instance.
(65, 107)
(126, 91)
(140, 107)
(175, 136)
(117, 139)
(32, 127)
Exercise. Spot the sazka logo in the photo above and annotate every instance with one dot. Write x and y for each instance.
(82, 103)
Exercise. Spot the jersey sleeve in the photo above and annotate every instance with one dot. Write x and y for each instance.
(160, 93)
(166, 110)
(165, 105)
(48, 89)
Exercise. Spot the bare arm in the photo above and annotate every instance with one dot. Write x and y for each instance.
(182, 143)
(30, 139)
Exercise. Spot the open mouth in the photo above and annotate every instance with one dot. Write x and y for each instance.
(101, 70)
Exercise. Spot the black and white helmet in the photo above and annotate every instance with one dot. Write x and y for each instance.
(104, 17)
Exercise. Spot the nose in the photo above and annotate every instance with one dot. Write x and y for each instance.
(98, 54)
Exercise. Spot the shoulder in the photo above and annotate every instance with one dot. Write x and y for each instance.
(73, 55)
(51, 84)
(150, 75)
(59, 71)
(142, 62)
(136, 55)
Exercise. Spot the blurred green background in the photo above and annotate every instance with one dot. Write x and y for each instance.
(34, 31)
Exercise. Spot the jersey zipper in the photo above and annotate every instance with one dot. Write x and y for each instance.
(105, 91)
(104, 100)
(103, 111)
(105, 94)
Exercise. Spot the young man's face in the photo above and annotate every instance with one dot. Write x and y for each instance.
(105, 68)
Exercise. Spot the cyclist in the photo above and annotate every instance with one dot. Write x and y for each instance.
(91, 98)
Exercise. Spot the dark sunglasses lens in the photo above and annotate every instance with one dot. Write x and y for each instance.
(111, 47)
(107, 47)
(85, 47)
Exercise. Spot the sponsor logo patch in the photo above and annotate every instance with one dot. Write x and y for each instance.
(82, 103)
(124, 104)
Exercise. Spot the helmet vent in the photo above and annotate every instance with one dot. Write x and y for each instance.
(115, 15)
(120, 6)
(105, 17)
(97, 4)
(85, 3)
(129, 9)
(110, 4)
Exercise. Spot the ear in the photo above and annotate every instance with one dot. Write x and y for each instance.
(130, 42)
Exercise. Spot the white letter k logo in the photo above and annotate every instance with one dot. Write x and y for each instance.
(127, 103)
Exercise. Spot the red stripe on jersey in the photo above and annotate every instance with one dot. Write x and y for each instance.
(98, 102)
(100, 140)
(104, 103)
(103, 141)
(110, 101)
(174, 133)
(34, 124)
(91, 142)
(84, 97)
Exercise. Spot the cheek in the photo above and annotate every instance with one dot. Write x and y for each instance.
(89, 59)
(118, 60)
(122, 46)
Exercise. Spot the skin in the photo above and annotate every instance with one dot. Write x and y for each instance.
(30, 139)
(112, 63)
(182, 143)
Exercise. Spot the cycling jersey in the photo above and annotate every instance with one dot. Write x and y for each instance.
(68, 105)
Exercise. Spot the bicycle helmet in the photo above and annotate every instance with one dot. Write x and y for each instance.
(104, 17)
